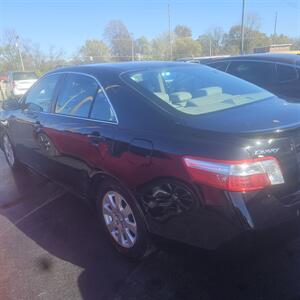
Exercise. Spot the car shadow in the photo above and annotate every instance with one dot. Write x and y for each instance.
(67, 229)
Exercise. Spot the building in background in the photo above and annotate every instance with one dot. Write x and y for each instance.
(281, 48)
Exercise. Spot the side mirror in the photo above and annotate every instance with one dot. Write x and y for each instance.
(11, 104)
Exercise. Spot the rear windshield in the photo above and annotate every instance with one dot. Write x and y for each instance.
(195, 89)
(24, 76)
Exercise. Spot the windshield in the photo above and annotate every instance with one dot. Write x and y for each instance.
(24, 76)
(196, 90)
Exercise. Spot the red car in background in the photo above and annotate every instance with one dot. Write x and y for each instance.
(3, 77)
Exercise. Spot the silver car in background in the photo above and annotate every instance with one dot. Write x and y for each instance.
(18, 83)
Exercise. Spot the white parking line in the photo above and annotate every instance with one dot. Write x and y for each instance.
(13, 224)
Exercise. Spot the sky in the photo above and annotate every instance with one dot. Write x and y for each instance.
(66, 24)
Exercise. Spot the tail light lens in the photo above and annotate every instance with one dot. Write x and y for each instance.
(236, 176)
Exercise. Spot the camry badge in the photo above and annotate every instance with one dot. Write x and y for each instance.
(266, 151)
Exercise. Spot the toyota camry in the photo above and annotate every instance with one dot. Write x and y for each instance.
(182, 151)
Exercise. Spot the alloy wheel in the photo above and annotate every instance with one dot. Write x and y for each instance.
(119, 219)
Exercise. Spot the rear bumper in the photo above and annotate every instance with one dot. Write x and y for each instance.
(263, 210)
(243, 216)
(265, 219)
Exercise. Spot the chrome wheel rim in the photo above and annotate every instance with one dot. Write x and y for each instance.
(8, 150)
(119, 219)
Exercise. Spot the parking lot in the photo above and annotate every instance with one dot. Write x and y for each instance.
(52, 248)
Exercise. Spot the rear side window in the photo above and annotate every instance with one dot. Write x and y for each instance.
(259, 73)
(286, 73)
(193, 89)
(76, 96)
(102, 109)
(221, 65)
(40, 96)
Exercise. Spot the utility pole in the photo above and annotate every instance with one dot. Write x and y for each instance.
(275, 24)
(243, 29)
(20, 54)
(170, 33)
(210, 47)
(132, 47)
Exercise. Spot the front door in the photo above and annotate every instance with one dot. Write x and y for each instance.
(26, 123)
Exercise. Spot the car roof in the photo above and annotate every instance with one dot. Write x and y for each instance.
(271, 57)
(119, 67)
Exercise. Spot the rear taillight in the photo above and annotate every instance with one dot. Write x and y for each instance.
(236, 176)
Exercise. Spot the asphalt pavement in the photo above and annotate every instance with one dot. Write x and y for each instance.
(51, 247)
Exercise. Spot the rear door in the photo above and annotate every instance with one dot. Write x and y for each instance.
(80, 131)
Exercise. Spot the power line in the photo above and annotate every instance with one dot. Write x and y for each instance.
(170, 33)
(275, 25)
(243, 28)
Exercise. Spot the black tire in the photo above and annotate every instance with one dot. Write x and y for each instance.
(143, 245)
(15, 164)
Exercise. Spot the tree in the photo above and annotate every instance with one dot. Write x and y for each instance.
(296, 44)
(182, 31)
(9, 55)
(280, 39)
(253, 37)
(186, 47)
(212, 41)
(94, 50)
(160, 47)
(34, 59)
(119, 39)
(143, 48)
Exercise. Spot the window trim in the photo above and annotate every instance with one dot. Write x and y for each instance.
(59, 86)
(100, 86)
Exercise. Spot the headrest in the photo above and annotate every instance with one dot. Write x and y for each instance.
(213, 90)
(179, 97)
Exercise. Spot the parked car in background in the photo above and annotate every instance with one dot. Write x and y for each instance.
(277, 73)
(18, 83)
(178, 150)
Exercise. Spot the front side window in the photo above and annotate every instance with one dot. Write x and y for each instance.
(259, 73)
(286, 73)
(102, 109)
(194, 89)
(40, 96)
(76, 96)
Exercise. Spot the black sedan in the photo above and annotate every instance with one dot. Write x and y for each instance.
(178, 150)
(277, 73)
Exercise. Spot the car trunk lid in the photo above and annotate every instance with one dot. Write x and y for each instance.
(267, 116)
